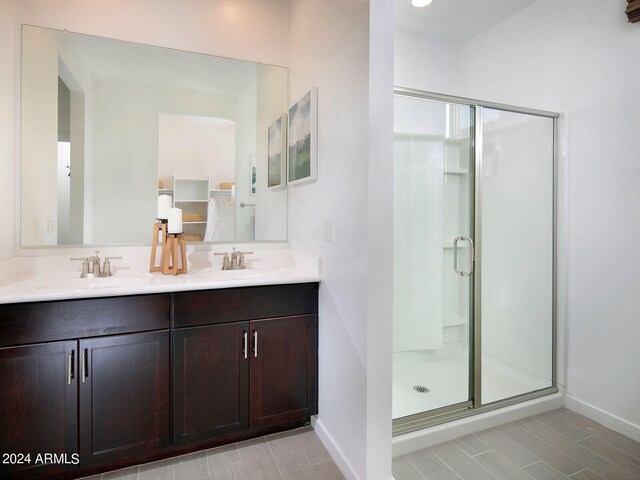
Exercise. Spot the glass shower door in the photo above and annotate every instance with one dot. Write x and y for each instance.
(433, 256)
(474, 247)
(516, 253)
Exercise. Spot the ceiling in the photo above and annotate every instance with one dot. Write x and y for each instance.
(456, 20)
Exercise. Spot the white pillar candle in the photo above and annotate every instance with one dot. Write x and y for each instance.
(175, 220)
(164, 204)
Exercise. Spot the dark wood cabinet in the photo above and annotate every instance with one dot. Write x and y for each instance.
(283, 366)
(110, 382)
(231, 377)
(206, 307)
(124, 395)
(210, 381)
(38, 322)
(38, 407)
(83, 400)
(121, 384)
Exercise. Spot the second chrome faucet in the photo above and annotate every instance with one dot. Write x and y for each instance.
(234, 262)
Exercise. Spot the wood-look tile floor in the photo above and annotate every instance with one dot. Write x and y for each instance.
(294, 455)
(551, 446)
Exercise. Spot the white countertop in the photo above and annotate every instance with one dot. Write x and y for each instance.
(55, 277)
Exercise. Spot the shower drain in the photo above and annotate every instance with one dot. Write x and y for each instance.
(421, 389)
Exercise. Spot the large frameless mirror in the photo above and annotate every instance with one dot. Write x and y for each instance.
(108, 126)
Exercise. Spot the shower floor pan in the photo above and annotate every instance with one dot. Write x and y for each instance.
(425, 380)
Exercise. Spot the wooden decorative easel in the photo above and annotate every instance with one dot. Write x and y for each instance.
(176, 251)
(157, 228)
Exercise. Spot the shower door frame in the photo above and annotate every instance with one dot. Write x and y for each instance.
(474, 406)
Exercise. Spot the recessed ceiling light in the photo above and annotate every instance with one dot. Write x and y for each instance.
(420, 3)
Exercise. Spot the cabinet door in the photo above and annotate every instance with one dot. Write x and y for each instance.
(283, 369)
(124, 395)
(38, 406)
(210, 381)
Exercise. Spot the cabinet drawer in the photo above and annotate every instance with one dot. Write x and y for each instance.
(23, 323)
(241, 304)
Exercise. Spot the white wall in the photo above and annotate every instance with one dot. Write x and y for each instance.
(353, 194)
(340, 196)
(427, 63)
(253, 30)
(575, 56)
(380, 240)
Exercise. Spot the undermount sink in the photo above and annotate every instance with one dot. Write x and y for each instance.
(217, 274)
(78, 284)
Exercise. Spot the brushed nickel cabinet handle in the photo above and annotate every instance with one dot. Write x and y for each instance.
(255, 343)
(70, 368)
(246, 342)
(84, 365)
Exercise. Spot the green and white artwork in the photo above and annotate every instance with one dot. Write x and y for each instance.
(302, 148)
(276, 167)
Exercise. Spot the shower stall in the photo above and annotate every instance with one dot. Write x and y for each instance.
(474, 250)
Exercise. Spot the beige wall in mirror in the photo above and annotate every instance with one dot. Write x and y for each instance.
(109, 125)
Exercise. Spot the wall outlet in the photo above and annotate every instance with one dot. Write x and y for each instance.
(326, 229)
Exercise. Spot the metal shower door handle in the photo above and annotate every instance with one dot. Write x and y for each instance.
(471, 256)
(455, 255)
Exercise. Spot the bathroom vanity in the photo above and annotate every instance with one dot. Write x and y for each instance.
(102, 373)
(103, 383)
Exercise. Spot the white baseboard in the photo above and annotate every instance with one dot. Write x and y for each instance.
(607, 419)
(336, 453)
(410, 442)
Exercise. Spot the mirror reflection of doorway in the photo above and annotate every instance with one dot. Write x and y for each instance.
(68, 226)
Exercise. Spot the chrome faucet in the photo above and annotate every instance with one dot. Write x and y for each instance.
(236, 261)
(91, 266)
(95, 264)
